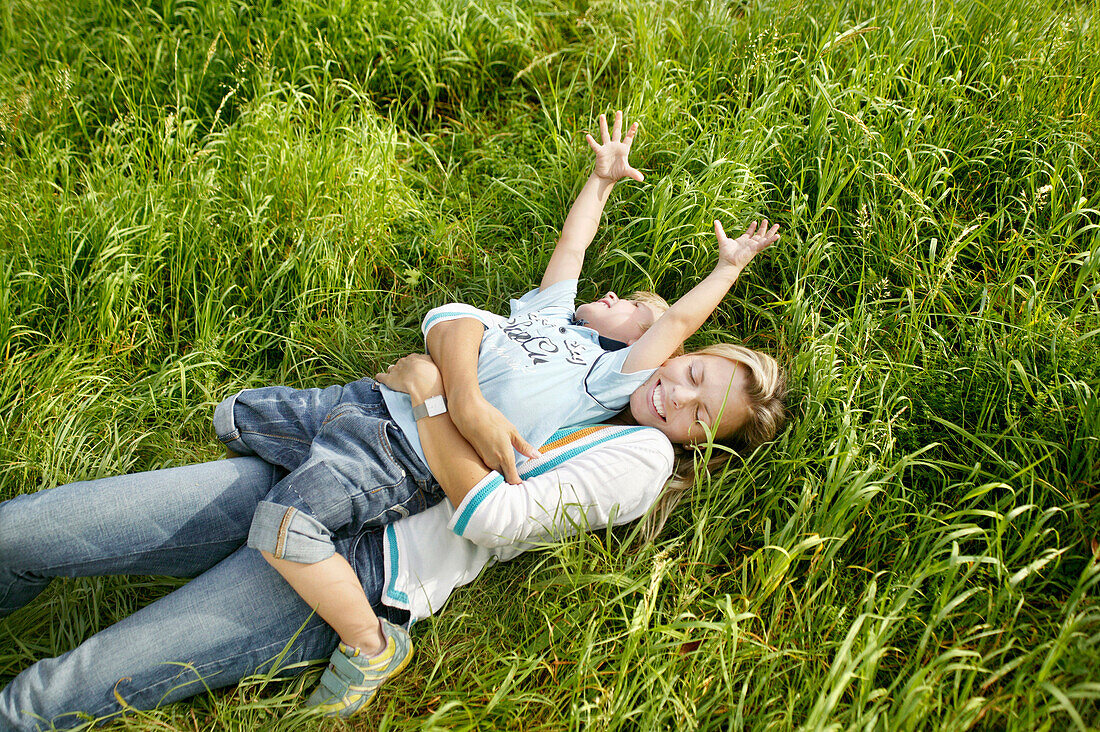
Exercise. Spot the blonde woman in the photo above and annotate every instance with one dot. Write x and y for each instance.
(237, 617)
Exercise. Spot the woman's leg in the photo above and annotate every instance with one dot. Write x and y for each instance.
(231, 621)
(178, 521)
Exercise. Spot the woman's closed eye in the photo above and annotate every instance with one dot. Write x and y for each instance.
(697, 379)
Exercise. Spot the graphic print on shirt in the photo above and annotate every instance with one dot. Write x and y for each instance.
(540, 348)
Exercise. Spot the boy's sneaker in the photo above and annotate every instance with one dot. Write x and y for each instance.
(351, 679)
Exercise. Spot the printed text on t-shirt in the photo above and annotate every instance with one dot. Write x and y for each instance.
(539, 348)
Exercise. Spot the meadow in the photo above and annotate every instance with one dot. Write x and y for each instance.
(198, 196)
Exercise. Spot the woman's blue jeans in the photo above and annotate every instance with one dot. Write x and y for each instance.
(235, 618)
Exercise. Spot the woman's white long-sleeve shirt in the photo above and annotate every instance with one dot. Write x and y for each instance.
(587, 478)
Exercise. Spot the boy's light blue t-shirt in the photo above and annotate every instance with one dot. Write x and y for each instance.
(541, 371)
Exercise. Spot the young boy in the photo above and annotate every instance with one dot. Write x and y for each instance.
(546, 367)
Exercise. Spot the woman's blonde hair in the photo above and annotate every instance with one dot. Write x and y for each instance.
(766, 394)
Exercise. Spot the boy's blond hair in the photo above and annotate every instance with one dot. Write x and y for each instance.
(659, 304)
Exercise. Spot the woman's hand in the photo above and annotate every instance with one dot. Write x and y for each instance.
(486, 429)
(415, 375)
(491, 435)
(611, 156)
(737, 253)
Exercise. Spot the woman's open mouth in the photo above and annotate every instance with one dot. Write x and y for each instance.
(657, 399)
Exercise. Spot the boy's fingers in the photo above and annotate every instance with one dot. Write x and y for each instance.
(718, 230)
(592, 143)
(604, 136)
(636, 174)
(630, 134)
(617, 130)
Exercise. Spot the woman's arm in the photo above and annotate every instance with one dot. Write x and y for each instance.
(454, 347)
(587, 479)
(452, 460)
(590, 478)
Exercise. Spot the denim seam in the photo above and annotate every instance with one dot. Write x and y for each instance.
(385, 487)
(273, 436)
(197, 670)
(341, 409)
(385, 441)
(280, 536)
(124, 556)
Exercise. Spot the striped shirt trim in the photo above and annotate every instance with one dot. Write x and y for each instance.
(434, 318)
(588, 437)
(392, 591)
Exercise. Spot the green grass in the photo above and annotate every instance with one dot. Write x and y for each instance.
(197, 197)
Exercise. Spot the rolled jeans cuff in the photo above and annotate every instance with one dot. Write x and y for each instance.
(225, 427)
(288, 533)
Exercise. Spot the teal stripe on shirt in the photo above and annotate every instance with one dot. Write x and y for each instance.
(392, 591)
(492, 485)
(433, 319)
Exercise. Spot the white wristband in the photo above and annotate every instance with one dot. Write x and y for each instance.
(431, 407)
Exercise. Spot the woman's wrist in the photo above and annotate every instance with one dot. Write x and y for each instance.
(420, 393)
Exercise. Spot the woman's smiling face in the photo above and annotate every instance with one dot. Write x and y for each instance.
(690, 389)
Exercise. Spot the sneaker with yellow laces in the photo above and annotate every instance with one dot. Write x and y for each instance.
(352, 678)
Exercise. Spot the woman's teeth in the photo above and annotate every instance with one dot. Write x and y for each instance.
(659, 400)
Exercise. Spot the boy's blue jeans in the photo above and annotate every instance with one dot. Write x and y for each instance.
(235, 618)
(350, 465)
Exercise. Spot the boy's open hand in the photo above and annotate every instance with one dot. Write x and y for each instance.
(611, 156)
(737, 253)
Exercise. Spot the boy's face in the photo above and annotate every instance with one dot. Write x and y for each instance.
(620, 320)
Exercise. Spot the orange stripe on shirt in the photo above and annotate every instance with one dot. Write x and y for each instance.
(573, 437)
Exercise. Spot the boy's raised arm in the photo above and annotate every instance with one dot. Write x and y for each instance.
(584, 217)
(681, 320)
